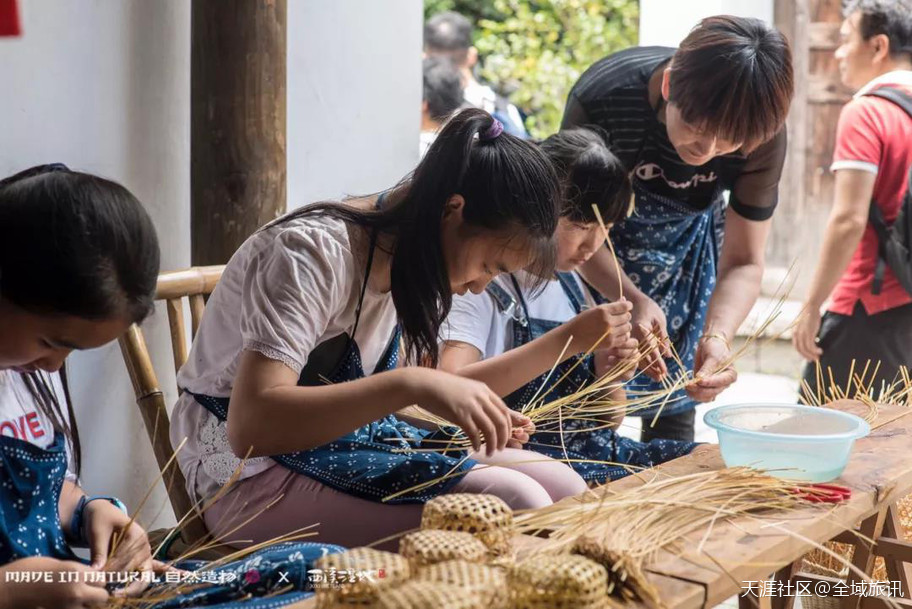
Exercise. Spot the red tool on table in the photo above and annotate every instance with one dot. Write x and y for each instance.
(824, 493)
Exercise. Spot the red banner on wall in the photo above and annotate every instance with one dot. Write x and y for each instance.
(9, 18)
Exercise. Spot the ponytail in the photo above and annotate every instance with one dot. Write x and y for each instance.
(507, 184)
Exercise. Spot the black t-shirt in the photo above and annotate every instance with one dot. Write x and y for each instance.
(614, 95)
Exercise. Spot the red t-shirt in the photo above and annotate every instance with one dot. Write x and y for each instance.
(875, 135)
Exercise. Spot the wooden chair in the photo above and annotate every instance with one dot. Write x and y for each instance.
(195, 284)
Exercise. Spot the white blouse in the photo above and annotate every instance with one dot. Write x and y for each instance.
(288, 289)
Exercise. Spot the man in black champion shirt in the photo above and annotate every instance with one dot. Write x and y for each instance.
(695, 126)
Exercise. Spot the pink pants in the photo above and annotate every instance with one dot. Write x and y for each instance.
(523, 479)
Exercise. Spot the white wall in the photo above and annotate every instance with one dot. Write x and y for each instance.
(354, 95)
(667, 22)
(105, 88)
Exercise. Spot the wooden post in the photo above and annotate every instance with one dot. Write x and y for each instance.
(784, 248)
(237, 123)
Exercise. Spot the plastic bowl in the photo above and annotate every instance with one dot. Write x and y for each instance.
(788, 441)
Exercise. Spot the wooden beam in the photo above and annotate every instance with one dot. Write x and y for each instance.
(792, 19)
(823, 90)
(237, 122)
(896, 551)
(893, 548)
(823, 36)
(879, 602)
(785, 575)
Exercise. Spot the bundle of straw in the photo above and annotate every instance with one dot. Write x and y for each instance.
(626, 529)
(626, 579)
(218, 550)
(859, 386)
(592, 403)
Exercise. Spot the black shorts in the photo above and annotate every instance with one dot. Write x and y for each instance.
(883, 337)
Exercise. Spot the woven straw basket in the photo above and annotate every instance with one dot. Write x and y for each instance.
(486, 517)
(563, 581)
(360, 590)
(489, 583)
(431, 546)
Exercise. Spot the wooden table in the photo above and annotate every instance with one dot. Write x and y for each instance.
(751, 550)
(745, 550)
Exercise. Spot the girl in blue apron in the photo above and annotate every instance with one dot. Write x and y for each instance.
(308, 347)
(91, 271)
(519, 332)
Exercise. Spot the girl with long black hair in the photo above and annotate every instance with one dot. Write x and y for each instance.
(78, 264)
(298, 362)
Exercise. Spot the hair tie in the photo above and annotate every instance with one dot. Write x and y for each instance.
(492, 132)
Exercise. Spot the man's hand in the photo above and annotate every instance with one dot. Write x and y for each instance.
(711, 377)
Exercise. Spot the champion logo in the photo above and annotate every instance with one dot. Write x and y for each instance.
(651, 171)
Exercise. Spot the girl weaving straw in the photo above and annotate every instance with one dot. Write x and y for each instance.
(90, 271)
(66, 294)
(512, 333)
(322, 296)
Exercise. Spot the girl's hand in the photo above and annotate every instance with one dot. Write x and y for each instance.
(710, 378)
(470, 404)
(593, 324)
(60, 593)
(608, 360)
(649, 328)
(521, 433)
(132, 551)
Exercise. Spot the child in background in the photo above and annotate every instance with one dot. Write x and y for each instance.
(510, 335)
(321, 297)
(78, 264)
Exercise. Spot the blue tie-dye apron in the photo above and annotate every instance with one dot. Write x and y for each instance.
(595, 454)
(31, 479)
(377, 459)
(670, 251)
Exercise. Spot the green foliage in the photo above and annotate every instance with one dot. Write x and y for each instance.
(476, 10)
(534, 50)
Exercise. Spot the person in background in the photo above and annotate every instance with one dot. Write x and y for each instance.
(442, 97)
(449, 34)
(866, 319)
(690, 124)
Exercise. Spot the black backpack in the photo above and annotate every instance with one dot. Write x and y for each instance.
(894, 240)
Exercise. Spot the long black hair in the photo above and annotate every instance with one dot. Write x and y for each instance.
(507, 184)
(74, 244)
(590, 175)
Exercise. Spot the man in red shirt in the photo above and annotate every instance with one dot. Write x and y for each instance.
(872, 160)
